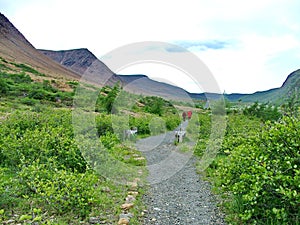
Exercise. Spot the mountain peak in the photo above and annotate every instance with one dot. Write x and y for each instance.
(78, 60)
(15, 47)
(293, 76)
(9, 31)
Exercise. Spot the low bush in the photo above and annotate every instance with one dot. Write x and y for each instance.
(41, 166)
(261, 174)
(60, 191)
(263, 111)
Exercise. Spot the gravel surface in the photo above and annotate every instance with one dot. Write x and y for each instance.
(176, 195)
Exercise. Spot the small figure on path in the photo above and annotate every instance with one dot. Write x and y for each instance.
(184, 116)
(179, 135)
(129, 134)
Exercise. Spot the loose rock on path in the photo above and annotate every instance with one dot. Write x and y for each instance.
(176, 195)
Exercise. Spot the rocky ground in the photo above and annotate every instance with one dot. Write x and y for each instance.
(176, 193)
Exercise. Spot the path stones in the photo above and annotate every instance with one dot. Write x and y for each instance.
(124, 217)
(94, 220)
(127, 206)
(133, 193)
(130, 199)
(133, 186)
(123, 221)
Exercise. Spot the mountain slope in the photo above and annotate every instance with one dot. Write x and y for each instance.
(79, 60)
(73, 64)
(83, 62)
(15, 47)
(275, 95)
(143, 84)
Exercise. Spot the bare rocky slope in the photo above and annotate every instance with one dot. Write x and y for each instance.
(15, 47)
(85, 63)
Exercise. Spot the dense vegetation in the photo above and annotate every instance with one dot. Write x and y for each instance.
(257, 168)
(44, 175)
(17, 88)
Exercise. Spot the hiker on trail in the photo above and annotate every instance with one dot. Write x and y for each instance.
(189, 114)
(183, 116)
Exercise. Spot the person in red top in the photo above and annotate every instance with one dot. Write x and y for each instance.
(189, 114)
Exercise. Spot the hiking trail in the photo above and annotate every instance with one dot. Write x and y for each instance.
(176, 193)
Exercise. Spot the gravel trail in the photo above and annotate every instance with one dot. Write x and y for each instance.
(176, 195)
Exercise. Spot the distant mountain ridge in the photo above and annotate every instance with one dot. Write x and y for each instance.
(276, 95)
(81, 60)
(75, 63)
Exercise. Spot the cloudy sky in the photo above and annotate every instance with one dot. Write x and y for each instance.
(247, 45)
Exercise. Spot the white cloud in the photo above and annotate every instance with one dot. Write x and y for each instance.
(242, 67)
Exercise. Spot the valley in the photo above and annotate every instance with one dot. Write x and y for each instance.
(65, 156)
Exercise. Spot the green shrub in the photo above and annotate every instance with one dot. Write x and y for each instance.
(262, 171)
(26, 137)
(157, 105)
(28, 101)
(239, 127)
(60, 190)
(172, 121)
(109, 140)
(27, 91)
(27, 68)
(104, 124)
(4, 87)
(263, 111)
(157, 126)
(200, 127)
(141, 123)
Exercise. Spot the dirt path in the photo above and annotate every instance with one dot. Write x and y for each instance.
(176, 195)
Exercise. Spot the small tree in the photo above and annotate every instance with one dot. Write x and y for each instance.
(110, 99)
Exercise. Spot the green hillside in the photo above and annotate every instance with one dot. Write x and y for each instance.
(277, 95)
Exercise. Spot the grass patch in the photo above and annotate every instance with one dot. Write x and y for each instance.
(26, 68)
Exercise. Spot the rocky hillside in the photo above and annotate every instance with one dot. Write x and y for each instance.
(15, 47)
(9, 33)
(84, 62)
(77, 60)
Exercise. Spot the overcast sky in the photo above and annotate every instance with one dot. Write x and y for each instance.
(247, 45)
